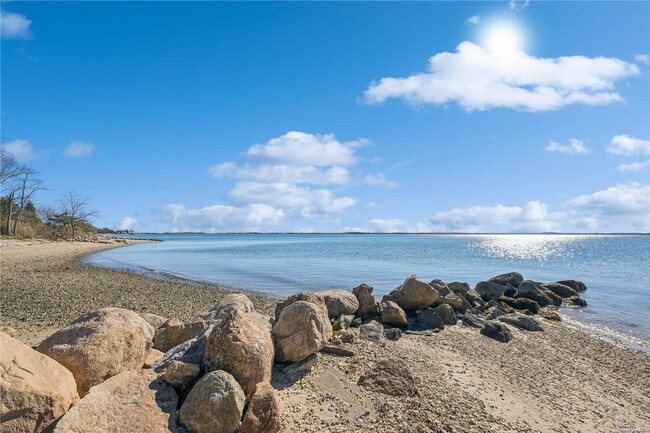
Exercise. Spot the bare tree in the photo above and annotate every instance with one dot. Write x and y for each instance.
(75, 209)
(28, 184)
(10, 171)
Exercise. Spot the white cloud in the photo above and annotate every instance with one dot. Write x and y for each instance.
(626, 145)
(221, 218)
(282, 173)
(390, 225)
(643, 58)
(533, 217)
(22, 150)
(515, 5)
(635, 166)
(13, 26)
(77, 149)
(379, 180)
(575, 147)
(300, 148)
(309, 201)
(473, 20)
(128, 223)
(478, 79)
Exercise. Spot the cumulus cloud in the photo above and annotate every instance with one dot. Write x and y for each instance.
(128, 223)
(479, 79)
(222, 218)
(574, 147)
(14, 26)
(626, 145)
(473, 20)
(282, 173)
(22, 150)
(635, 166)
(300, 148)
(77, 149)
(308, 201)
(643, 58)
(379, 180)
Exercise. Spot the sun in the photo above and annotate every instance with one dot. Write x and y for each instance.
(503, 38)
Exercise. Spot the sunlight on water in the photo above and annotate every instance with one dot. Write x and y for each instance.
(536, 247)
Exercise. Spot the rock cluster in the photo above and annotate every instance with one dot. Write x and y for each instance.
(215, 372)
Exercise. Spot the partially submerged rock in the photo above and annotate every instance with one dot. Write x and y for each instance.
(35, 390)
(413, 294)
(302, 329)
(100, 344)
(214, 405)
(242, 346)
(131, 401)
(576, 285)
(534, 291)
(512, 278)
(561, 290)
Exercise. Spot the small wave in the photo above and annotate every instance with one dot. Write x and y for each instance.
(605, 333)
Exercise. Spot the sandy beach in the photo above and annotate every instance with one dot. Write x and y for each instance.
(559, 380)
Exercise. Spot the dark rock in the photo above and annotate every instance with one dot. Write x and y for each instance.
(512, 278)
(372, 331)
(577, 301)
(489, 290)
(561, 290)
(446, 313)
(393, 334)
(531, 290)
(458, 288)
(391, 377)
(473, 321)
(496, 304)
(576, 285)
(474, 298)
(521, 304)
(521, 321)
(356, 323)
(368, 305)
(494, 313)
(446, 295)
(550, 315)
(497, 331)
(428, 319)
(347, 338)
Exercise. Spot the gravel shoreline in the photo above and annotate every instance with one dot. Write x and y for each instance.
(559, 380)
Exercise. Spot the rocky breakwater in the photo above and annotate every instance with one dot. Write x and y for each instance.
(213, 373)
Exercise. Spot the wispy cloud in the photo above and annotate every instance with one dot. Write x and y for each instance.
(643, 58)
(473, 20)
(518, 5)
(379, 180)
(22, 150)
(478, 79)
(219, 218)
(13, 25)
(78, 149)
(574, 147)
(635, 166)
(626, 145)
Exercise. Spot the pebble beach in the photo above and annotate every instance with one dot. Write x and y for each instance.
(559, 380)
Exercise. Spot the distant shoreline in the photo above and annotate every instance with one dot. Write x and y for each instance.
(388, 233)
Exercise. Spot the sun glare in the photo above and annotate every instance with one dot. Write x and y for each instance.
(503, 38)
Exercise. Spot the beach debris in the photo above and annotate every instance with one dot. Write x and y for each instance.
(521, 321)
(339, 302)
(214, 405)
(302, 329)
(413, 294)
(181, 375)
(100, 344)
(392, 314)
(36, 390)
(368, 306)
(497, 331)
(129, 401)
(241, 345)
(389, 376)
(170, 336)
(263, 414)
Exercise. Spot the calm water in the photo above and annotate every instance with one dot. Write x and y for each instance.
(616, 269)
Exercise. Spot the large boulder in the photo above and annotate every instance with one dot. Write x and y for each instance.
(181, 375)
(392, 314)
(561, 290)
(229, 303)
(458, 287)
(368, 305)
(35, 390)
(521, 321)
(214, 405)
(497, 331)
(531, 290)
(131, 401)
(576, 285)
(489, 290)
(339, 302)
(521, 304)
(576, 301)
(263, 414)
(242, 346)
(446, 313)
(190, 352)
(303, 328)
(413, 294)
(171, 336)
(312, 297)
(473, 320)
(100, 344)
(153, 319)
(446, 295)
(428, 319)
(512, 278)
(372, 331)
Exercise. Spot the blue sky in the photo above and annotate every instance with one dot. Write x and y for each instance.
(207, 116)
